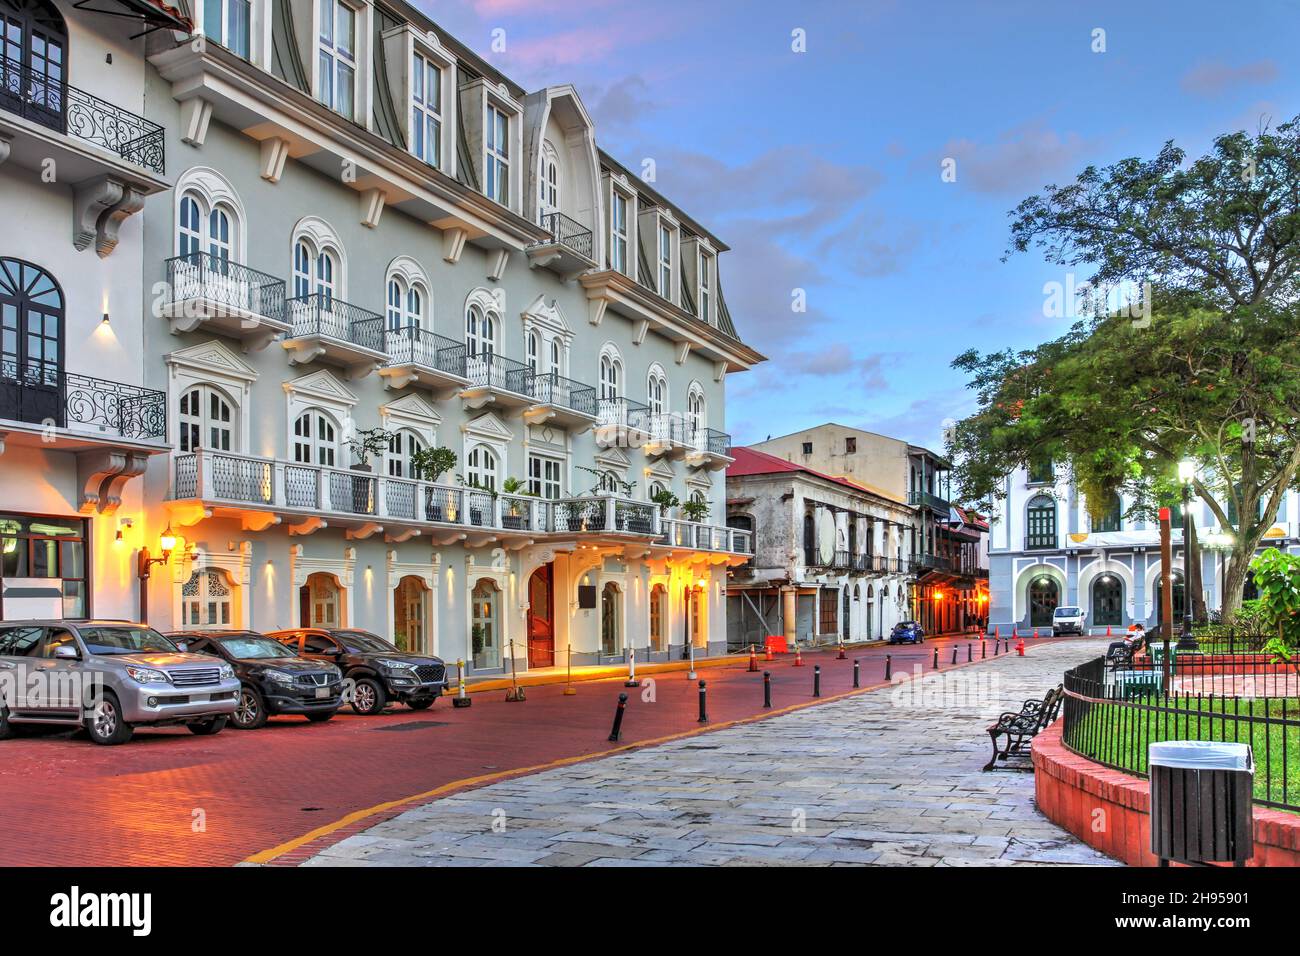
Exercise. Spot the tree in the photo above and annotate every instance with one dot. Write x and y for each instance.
(1210, 370)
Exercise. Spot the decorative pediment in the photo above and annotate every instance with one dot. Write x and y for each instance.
(549, 316)
(612, 458)
(212, 359)
(321, 386)
(700, 479)
(411, 408)
(662, 470)
(488, 427)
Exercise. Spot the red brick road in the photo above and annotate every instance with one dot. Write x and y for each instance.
(67, 802)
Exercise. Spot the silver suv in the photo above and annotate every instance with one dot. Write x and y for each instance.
(109, 677)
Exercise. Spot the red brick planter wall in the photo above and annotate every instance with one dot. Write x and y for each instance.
(1109, 810)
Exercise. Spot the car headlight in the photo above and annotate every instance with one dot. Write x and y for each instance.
(280, 677)
(147, 675)
(396, 665)
(227, 672)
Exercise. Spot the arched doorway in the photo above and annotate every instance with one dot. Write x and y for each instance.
(34, 42)
(410, 614)
(1107, 600)
(1044, 595)
(31, 339)
(1179, 598)
(320, 601)
(541, 619)
(485, 636)
(848, 609)
(659, 618)
(610, 620)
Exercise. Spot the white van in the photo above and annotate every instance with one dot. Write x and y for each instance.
(1067, 620)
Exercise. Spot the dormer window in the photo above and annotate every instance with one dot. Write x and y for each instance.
(338, 56)
(618, 232)
(706, 287)
(548, 199)
(426, 110)
(227, 22)
(665, 262)
(497, 158)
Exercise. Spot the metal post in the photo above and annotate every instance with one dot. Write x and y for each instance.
(767, 689)
(631, 669)
(461, 699)
(704, 709)
(569, 689)
(857, 674)
(617, 730)
(984, 649)
(889, 666)
(954, 653)
(817, 680)
(1187, 640)
(936, 658)
(969, 654)
(515, 693)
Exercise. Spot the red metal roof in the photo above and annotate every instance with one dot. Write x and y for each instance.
(751, 462)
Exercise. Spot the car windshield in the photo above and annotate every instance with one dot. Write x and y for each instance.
(254, 648)
(125, 639)
(1067, 612)
(363, 642)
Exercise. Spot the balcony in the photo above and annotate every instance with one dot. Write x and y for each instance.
(211, 293)
(74, 114)
(1040, 542)
(262, 492)
(327, 329)
(569, 251)
(79, 407)
(709, 449)
(669, 435)
(622, 423)
(417, 356)
(497, 380)
(561, 401)
(924, 499)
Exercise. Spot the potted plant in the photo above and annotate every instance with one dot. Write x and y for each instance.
(697, 509)
(665, 499)
(430, 464)
(473, 502)
(366, 444)
(513, 516)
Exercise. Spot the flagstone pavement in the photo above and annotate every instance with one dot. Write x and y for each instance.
(890, 777)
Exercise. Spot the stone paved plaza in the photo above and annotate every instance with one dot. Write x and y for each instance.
(889, 777)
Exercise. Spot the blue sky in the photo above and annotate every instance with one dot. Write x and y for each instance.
(822, 169)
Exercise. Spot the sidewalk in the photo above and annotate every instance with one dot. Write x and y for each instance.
(887, 777)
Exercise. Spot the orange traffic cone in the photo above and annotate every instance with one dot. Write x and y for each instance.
(1014, 633)
(997, 632)
(841, 656)
(753, 660)
(1020, 647)
(798, 656)
(1108, 630)
(768, 656)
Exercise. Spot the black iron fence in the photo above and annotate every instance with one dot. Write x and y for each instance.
(412, 345)
(202, 276)
(47, 100)
(568, 232)
(322, 314)
(1114, 711)
(550, 388)
(43, 394)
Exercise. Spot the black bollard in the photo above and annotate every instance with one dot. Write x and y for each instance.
(857, 673)
(618, 718)
(969, 653)
(888, 667)
(704, 710)
(954, 653)
(817, 680)
(936, 658)
(995, 648)
(767, 688)
(984, 649)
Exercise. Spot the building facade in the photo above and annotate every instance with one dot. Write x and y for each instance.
(945, 549)
(830, 559)
(375, 247)
(78, 425)
(1049, 547)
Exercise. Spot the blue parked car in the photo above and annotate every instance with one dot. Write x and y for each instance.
(906, 632)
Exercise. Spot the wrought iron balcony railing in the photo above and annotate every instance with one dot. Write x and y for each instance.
(204, 276)
(924, 498)
(568, 233)
(713, 441)
(493, 370)
(412, 345)
(39, 395)
(550, 388)
(41, 98)
(322, 314)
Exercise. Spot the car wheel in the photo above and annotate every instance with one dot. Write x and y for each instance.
(105, 724)
(250, 711)
(368, 697)
(421, 704)
(321, 717)
(208, 727)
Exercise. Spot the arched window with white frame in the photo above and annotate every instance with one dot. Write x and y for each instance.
(697, 411)
(318, 262)
(481, 468)
(403, 445)
(207, 420)
(548, 199)
(405, 304)
(480, 330)
(656, 392)
(533, 348)
(557, 357)
(207, 599)
(611, 375)
(315, 438)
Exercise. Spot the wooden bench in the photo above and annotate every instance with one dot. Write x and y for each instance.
(1015, 731)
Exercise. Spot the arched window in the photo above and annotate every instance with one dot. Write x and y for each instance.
(611, 376)
(1107, 600)
(1044, 595)
(315, 270)
(696, 410)
(659, 618)
(610, 609)
(480, 331)
(481, 468)
(205, 231)
(1041, 523)
(1180, 596)
(557, 357)
(484, 628)
(548, 199)
(31, 343)
(405, 303)
(206, 600)
(533, 347)
(315, 438)
(1109, 517)
(656, 392)
(207, 420)
(809, 539)
(34, 38)
(402, 446)
(322, 601)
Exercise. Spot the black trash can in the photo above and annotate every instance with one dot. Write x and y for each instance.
(1202, 802)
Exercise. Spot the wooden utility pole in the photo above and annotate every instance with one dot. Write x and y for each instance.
(1166, 595)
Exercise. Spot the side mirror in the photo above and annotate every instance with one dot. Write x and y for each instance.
(67, 652)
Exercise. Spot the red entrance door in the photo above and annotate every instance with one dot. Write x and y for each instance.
(541, 620)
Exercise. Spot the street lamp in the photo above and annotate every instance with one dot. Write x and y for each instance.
(166, 544)
(1187, 475)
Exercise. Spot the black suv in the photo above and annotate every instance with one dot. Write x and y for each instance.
(378, 670)
(273, 679)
